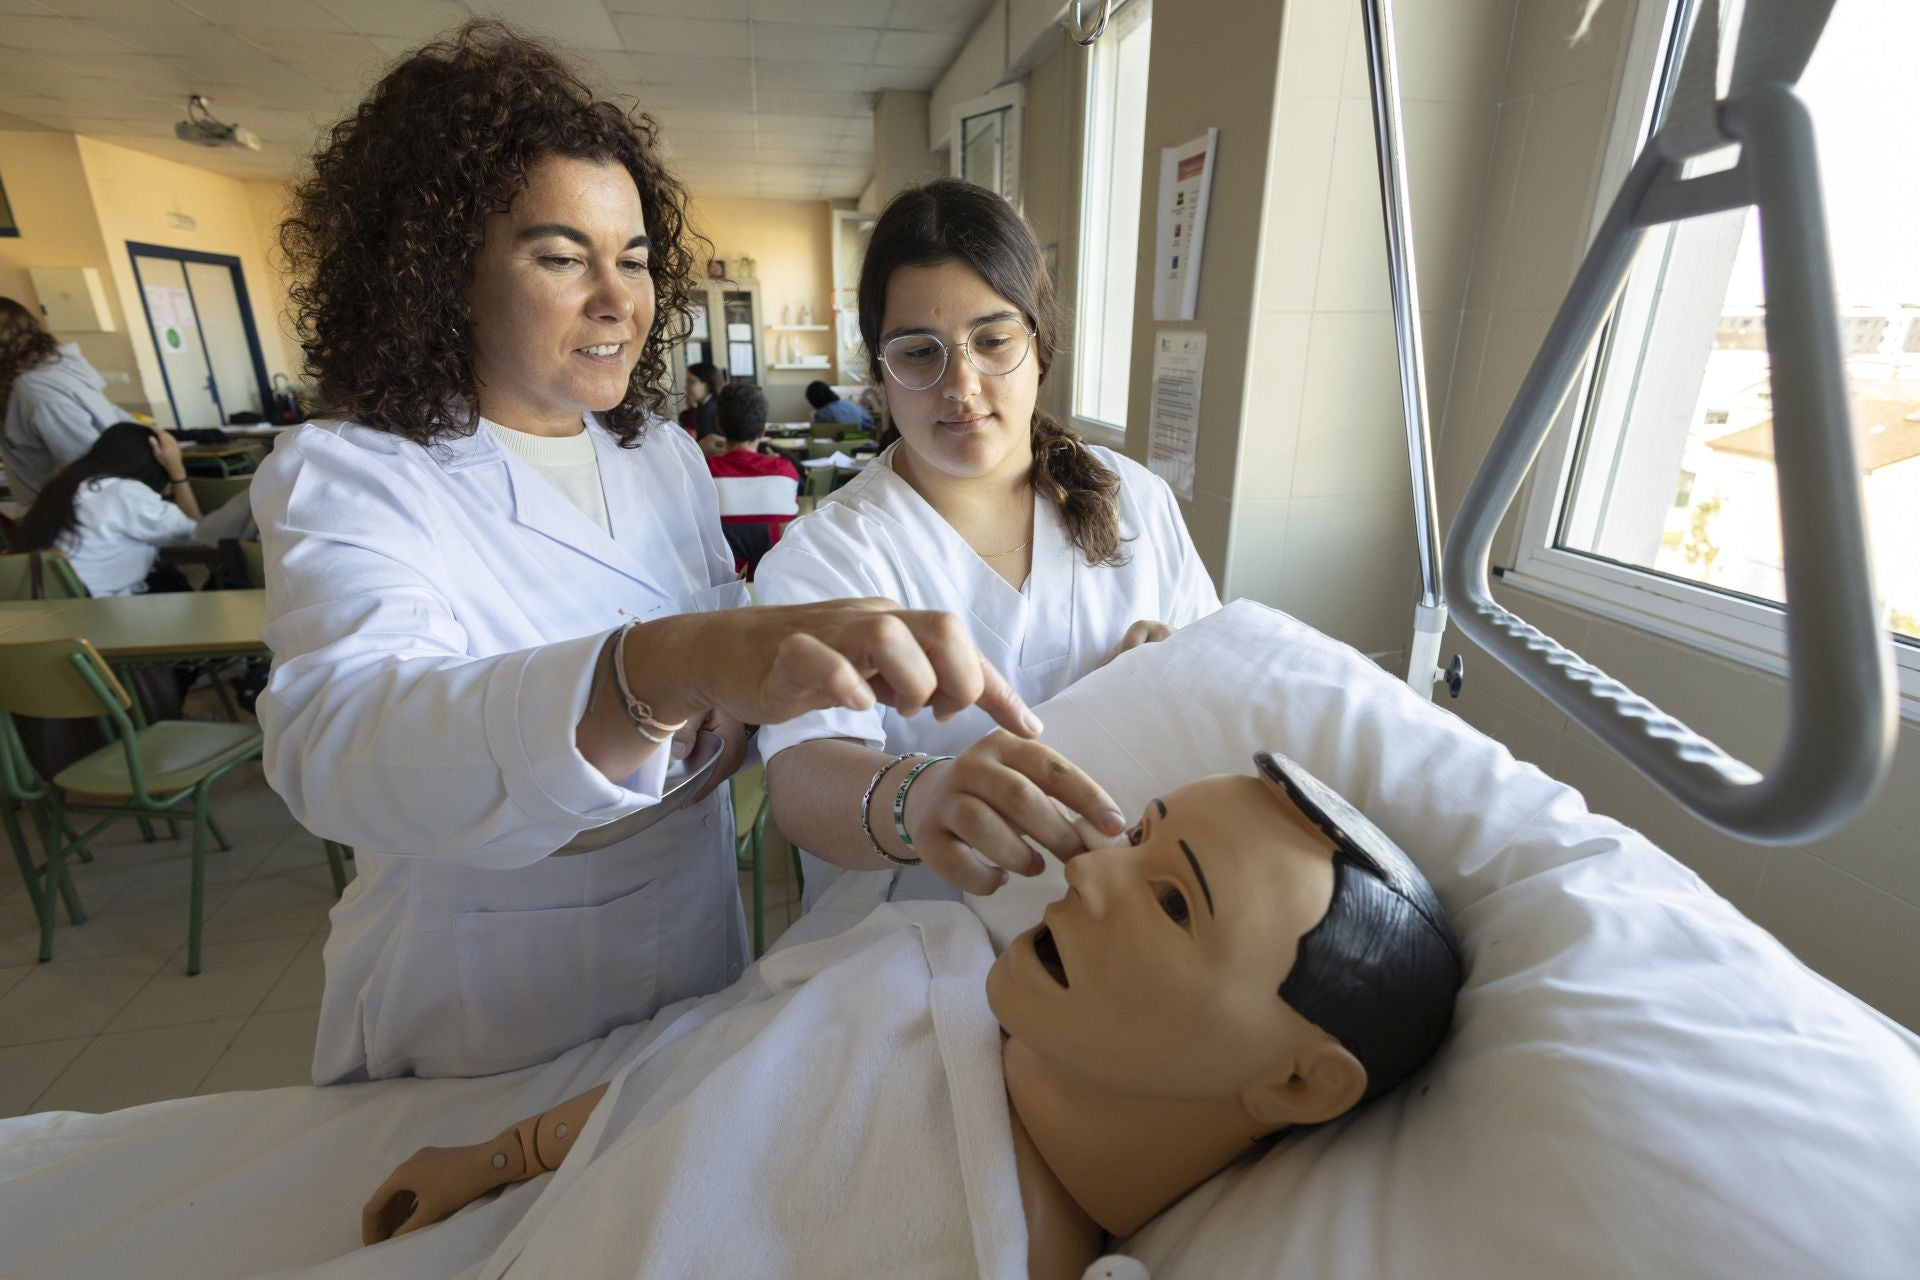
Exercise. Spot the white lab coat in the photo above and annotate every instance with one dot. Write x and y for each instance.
(877, 537)
(436, 615)
(120, 526)
(53, 415)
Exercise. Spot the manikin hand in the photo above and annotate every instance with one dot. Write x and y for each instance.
(429, 1185)
(967, 816)
(1145, 631)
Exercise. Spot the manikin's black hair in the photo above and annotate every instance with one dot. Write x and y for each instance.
(1380, 971)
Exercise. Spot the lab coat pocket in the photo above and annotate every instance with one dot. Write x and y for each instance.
(535, 983)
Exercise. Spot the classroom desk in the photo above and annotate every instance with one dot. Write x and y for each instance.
(223, 459)
(173, 626)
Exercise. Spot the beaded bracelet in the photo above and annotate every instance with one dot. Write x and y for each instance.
(866, 809)
(638, 710)
(900, 800)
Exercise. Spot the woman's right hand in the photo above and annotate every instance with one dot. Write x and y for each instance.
(771, 663)
(967, 816)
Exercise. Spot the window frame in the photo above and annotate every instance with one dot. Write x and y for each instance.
(1739, 628)
(1096, 430)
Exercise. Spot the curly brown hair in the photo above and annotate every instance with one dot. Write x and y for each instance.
(24, 344)
(383, 234)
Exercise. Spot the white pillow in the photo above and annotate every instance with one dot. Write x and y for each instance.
(1639, 1082)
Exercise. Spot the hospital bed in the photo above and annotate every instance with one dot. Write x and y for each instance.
(1640, 1081)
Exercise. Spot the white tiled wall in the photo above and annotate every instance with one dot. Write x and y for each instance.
(1850, 905)
(1321, 521)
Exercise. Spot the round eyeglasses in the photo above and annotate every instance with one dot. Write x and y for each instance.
(919, 360)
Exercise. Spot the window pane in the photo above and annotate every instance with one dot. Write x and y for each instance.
(1110, 226)
(1675, 471)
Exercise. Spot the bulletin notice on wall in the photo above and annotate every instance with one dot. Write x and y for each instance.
(1186, 181)
(1173, 423)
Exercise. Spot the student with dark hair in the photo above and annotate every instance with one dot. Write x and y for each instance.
(1061, 554)
(742, 420)
(51, 409)
(113, 508)
(759, 492)
(705, 382)
(829, 409)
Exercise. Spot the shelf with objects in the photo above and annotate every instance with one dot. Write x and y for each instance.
(725, 330)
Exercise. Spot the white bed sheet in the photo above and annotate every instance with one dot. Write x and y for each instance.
(1640, 1081)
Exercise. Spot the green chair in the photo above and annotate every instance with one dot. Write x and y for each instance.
(22, 790)
(750, 830)
(215, 491)
(38, 575)
(155, 771)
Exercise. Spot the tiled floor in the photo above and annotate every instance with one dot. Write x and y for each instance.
(113, 1020)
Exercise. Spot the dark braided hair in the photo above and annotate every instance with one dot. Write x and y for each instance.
(23, 344)
(384, 233)
(948, 220)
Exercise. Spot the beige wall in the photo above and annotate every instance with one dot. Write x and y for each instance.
(47, 187)
(132, 194)
(1850, 905)
(270, 202)
(1052, 145)
(792, 241)
(901, 154)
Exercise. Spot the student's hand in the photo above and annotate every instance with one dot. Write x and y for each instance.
(166, 451)
(968, 816)
(772, 663)
(713, 445)
(1145, 631)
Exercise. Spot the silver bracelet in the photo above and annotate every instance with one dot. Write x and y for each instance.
(900, 799)
(638, 710)
(866, 809)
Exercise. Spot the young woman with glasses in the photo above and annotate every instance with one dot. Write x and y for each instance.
(1056, 554)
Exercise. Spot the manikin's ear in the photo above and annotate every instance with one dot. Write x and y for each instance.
(1326, 1082)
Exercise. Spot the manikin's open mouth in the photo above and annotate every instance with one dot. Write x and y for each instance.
(1049, 953)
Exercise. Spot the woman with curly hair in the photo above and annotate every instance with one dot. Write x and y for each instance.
(1063, 553)
(51, 409)
(497, 584)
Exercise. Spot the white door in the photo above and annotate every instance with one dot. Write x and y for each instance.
(176, 335)
(223, 330)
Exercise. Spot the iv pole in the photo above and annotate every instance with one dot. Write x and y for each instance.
(1430, 614)
(1383, 76)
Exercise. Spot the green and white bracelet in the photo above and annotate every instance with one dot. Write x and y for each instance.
(866, 809)
(900, 799)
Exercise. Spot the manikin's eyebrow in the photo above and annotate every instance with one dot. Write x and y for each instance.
(891, 334)
(579, 237)
(1161, 805)
(1198, 874)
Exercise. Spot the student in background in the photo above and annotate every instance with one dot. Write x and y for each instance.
(829, 408)
(51, 409)
(742, 419)
(705, 381)
(759, 492)
(112, 510)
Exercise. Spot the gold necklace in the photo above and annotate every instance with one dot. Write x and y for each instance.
(995, 555)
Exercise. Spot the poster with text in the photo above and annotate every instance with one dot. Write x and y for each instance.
(1173, 423)
(1186, 177)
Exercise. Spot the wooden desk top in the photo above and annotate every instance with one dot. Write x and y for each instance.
(144, 626)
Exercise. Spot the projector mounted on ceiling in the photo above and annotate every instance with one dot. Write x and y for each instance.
(201, 129)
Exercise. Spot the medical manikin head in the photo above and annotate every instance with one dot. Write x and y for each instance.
(1256, 955)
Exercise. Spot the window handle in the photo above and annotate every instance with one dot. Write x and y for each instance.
(1842, 716)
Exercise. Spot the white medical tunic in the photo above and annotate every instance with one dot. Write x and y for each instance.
(875, 536)
(436, 615)
(120, 524)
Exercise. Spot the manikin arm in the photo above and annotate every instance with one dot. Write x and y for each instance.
(434, 1182)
